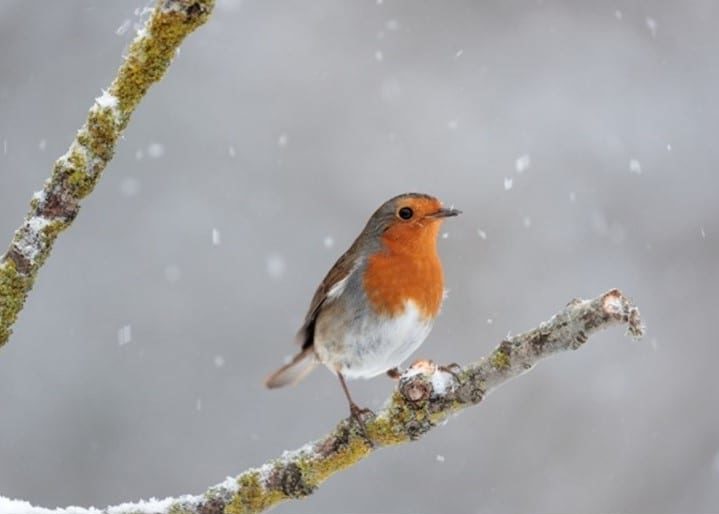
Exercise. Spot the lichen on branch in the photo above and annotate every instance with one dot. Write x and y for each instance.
(424, 398)
(76, 173)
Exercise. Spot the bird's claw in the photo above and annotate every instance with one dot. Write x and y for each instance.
(357, 413)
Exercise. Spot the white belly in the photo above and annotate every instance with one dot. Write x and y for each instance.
(376, 344)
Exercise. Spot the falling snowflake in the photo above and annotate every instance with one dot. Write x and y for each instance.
(130, 186)
(172, 273)
(155, 150)
(275, 266)
(123, 28)
(124, 335)
(522, 163)
(652, 26)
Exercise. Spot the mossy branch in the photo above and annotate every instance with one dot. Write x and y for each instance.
(424, 398)
(76, 173)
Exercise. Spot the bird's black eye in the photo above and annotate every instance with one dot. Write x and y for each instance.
(405, 213)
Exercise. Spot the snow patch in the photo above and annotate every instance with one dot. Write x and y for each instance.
(8, 506)
(106, 100)
(153, 505)
(30, 241)
(442, 382)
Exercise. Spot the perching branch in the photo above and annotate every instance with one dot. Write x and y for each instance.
(76, 173)
(424, 398)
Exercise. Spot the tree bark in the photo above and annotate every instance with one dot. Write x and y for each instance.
(424, 398)
(76, 173)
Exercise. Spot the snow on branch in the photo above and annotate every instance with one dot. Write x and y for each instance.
(424, 398)
(76, 173)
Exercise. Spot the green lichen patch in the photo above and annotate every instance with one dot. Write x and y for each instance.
(252, 496)
(346, 452)
(13, 290)
(100, 134)
(500, 358)
(150, 55)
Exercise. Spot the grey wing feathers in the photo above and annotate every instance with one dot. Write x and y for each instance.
(340, 271)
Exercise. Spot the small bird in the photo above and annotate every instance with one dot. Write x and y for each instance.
(377, 304)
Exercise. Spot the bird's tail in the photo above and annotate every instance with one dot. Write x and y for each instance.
(297, 369)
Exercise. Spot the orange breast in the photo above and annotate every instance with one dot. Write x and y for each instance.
(395, 276)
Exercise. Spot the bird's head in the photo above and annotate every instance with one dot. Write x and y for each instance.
(409, 221)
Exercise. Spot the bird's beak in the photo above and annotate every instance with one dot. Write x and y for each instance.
(445, 213)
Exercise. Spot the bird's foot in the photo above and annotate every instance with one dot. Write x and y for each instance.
(357, 413)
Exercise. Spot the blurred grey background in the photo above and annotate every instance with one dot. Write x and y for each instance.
(579, 138)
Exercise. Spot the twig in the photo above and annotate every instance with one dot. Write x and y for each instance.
(76, 173)
(425, 397)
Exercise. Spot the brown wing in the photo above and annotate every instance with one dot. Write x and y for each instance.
(338, 272)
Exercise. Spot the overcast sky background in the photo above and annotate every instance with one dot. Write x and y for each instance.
(579, 139)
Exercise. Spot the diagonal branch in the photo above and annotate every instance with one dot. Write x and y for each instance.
(76, 173)
(425, 397)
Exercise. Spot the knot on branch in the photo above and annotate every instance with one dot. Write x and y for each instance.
(618, 307)
(290, 481)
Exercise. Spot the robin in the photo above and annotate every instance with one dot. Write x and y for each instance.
(377, 304)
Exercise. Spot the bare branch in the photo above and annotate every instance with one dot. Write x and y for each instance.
(425, 397)
(76, 173)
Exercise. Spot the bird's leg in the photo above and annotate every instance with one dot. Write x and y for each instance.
(394, 373)
(355, 410)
